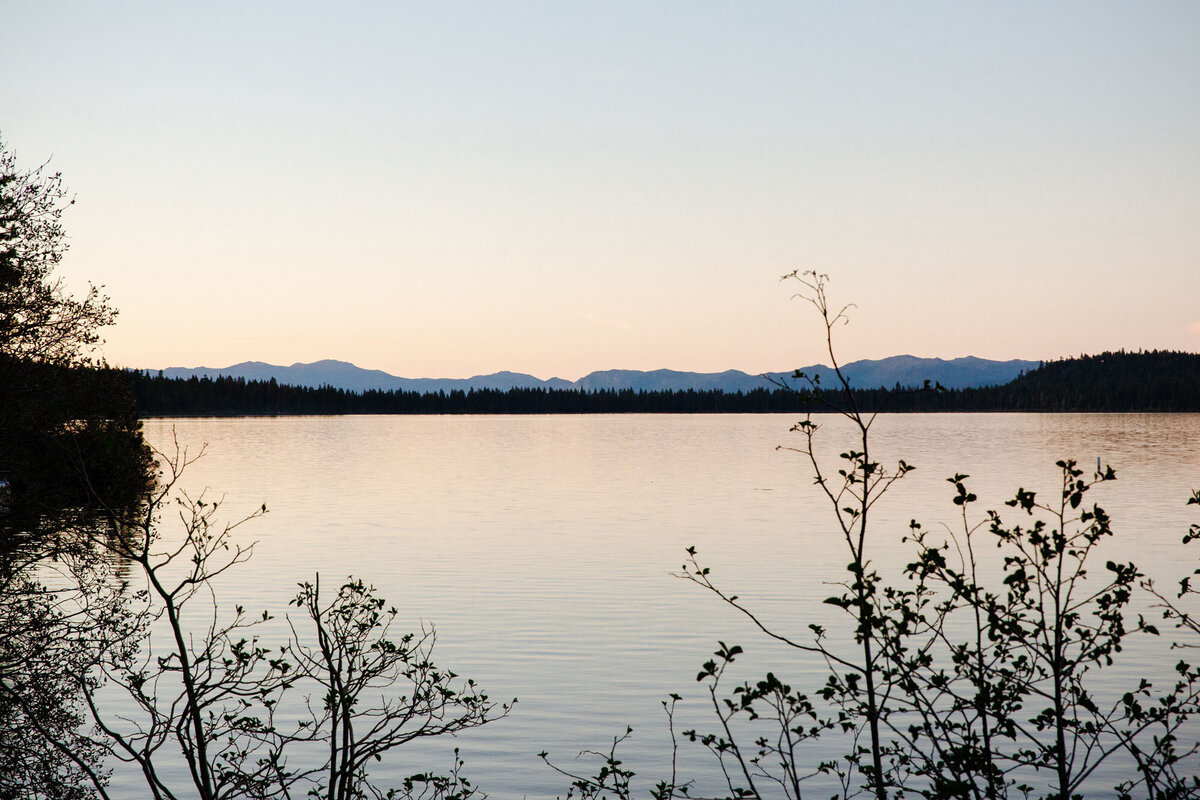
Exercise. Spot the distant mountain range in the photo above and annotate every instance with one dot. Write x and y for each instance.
(957, 373)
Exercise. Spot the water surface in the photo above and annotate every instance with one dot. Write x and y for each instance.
(542, 547)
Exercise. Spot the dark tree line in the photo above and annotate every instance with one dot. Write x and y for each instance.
(1143, 381)
(159, 396)
(1151, 380)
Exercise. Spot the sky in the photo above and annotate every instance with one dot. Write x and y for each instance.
(449, 189)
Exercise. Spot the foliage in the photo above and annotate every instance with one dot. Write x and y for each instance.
(71, 452)
(39, 320)
(96, 600)
(1018, 698)
(40, 708)
(353, 660)
(136, 612)
(612, 778)
(69, 432)
(72, 440)
(978, 675)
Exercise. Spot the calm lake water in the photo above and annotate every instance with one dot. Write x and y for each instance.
(542, 547)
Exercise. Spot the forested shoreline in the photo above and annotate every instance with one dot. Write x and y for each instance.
(1113, 381)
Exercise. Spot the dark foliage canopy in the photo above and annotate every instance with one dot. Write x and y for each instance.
(69, 431)
(39, 320)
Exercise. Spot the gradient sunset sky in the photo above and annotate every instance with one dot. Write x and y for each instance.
(445, 189)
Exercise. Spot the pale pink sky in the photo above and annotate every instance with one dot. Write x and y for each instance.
(450, 189)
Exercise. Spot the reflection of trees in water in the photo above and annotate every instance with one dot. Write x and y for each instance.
(68, 608)
(65, 608)
(44, 749)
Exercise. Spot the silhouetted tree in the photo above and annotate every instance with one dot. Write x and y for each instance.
(69, 432)
(39, 320)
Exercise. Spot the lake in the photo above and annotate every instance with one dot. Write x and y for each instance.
(542, 547)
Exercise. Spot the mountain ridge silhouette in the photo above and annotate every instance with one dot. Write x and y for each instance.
(903, 370)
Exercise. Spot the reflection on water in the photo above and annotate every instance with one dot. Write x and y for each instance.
(542, 547)
(42, 713)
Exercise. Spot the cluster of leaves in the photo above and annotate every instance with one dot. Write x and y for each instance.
(133, 612)
(984, 673)
(39, 320)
